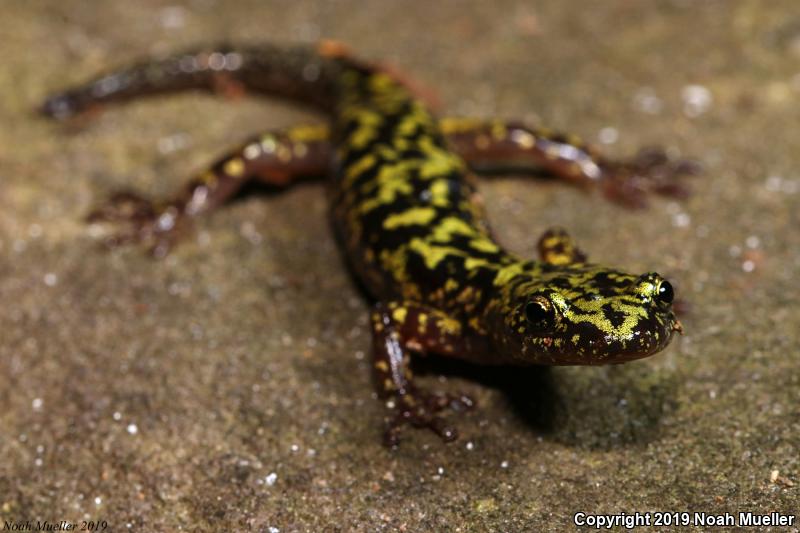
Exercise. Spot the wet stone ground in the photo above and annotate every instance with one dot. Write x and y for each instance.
(228, 386)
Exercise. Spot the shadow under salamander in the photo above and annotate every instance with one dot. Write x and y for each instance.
(599, 408)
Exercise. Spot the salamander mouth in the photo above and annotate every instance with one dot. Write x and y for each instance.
(591, 347)
(642, 343)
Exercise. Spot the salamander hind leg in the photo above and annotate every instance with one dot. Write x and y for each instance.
(398, 329)
(650, 171)
(275, 158)
(495, 146)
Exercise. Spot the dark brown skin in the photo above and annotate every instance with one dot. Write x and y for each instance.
(406, 210)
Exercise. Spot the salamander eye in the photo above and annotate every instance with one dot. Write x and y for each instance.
(664, 293)
(540, 313)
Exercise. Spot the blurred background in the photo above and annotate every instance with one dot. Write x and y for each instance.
(228, 386)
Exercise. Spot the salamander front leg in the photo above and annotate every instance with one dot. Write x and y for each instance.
(277, 159)
(557, 247)
(496, 146)
(398, 329)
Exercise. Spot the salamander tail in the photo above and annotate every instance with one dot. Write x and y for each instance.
(308, 75)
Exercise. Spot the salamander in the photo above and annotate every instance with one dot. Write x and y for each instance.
(406, 210)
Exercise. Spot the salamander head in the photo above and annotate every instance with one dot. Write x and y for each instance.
(587, 315)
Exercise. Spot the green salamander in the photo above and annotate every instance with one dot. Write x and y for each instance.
(405, 207)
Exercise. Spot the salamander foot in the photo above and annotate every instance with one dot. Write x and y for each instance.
(136, 219)
(419, 409)
(651, 171)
